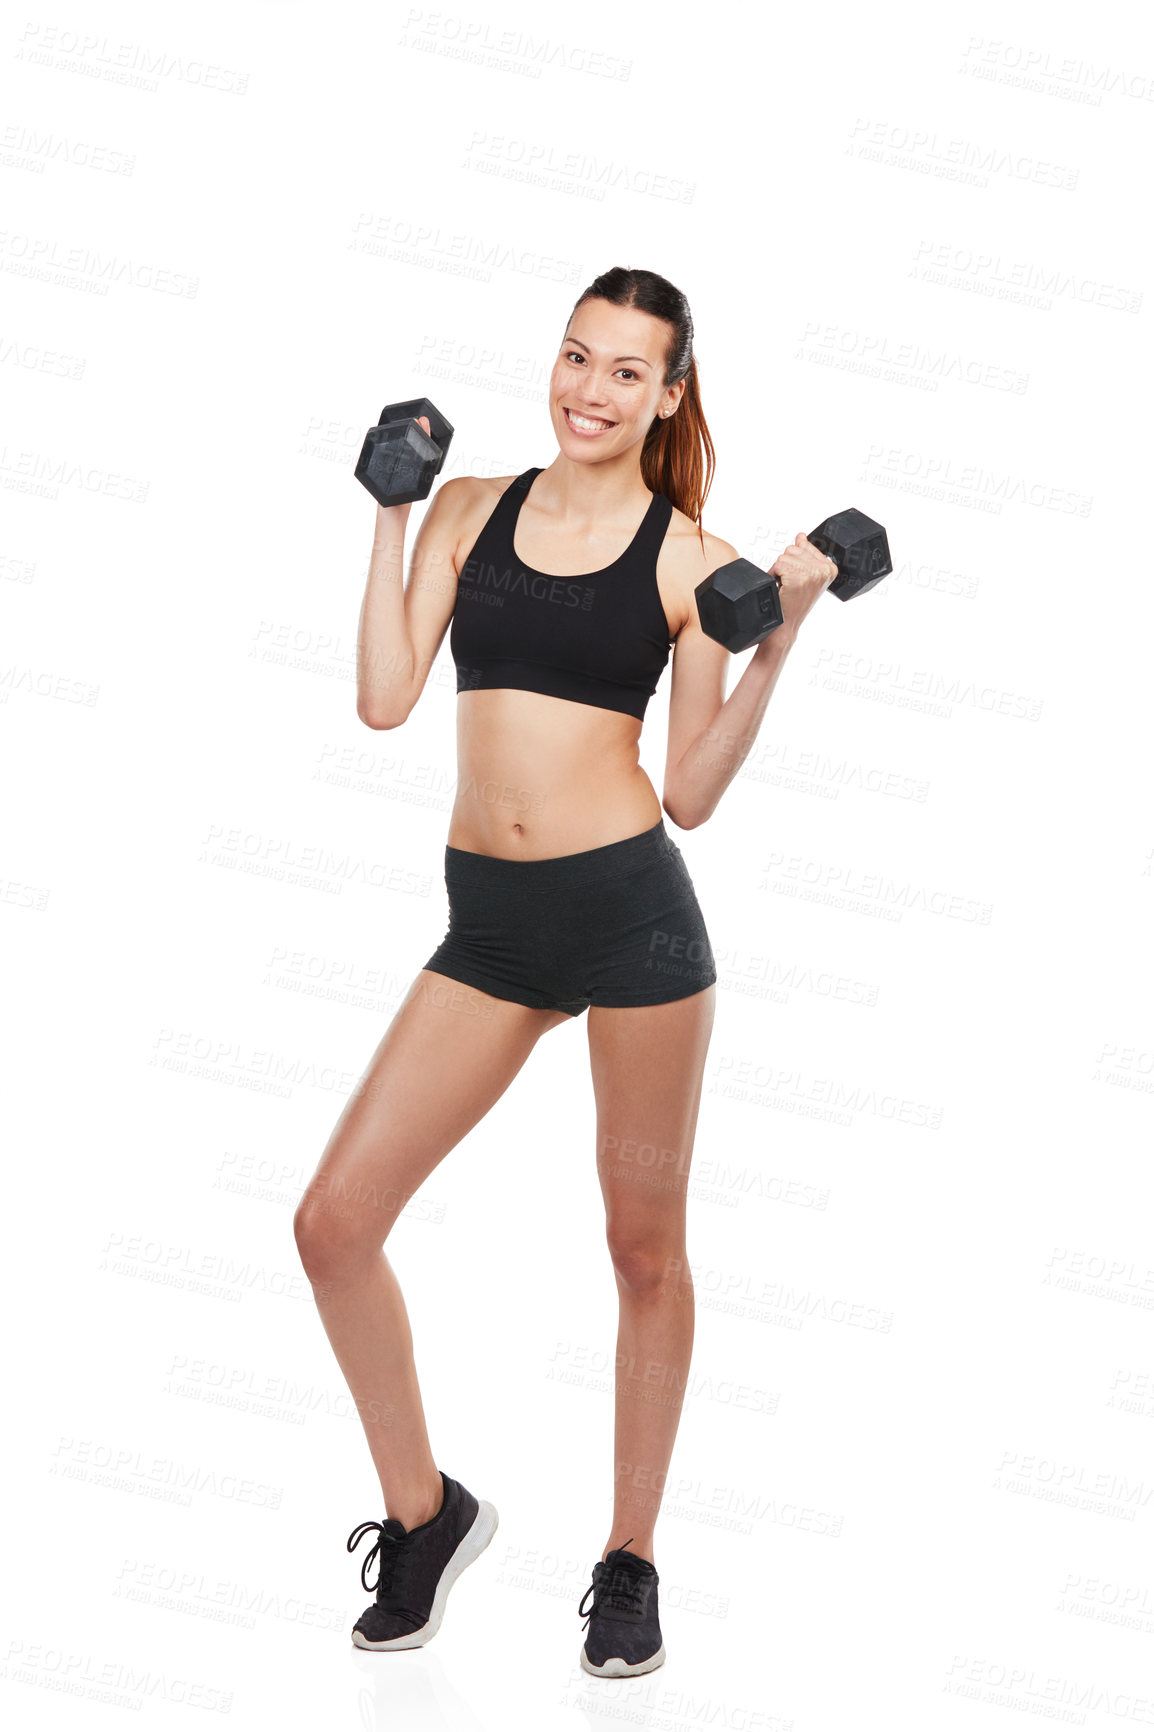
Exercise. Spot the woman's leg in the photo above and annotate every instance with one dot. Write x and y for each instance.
(647, 1066)
(448, 1054)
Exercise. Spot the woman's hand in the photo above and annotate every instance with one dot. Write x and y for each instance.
(804, 572)
(392, 520)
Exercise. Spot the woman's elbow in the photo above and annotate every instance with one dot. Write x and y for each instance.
(381, 719)
(683, 816)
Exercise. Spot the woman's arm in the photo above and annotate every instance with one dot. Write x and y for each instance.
(400, 630)
(711, 735)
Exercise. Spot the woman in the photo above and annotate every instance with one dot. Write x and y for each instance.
(565, 893)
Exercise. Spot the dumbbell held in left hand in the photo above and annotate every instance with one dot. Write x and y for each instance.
(739, 604)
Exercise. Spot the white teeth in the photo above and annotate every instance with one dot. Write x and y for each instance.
(583, 421)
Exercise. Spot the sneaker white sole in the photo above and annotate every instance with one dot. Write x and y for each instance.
(614, 1668)
(468, 1550)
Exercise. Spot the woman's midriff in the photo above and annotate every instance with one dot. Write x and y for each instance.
(540, 776)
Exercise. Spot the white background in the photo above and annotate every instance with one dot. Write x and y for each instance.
(913, 1483)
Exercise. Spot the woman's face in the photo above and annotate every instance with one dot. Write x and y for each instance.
(606, 386)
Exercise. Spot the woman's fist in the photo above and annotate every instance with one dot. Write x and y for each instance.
(803, 572)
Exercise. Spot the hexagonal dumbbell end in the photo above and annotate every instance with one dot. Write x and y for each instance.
(739, 604)
(858, 547)
(399, 460)
(398, 463)
(440, 430)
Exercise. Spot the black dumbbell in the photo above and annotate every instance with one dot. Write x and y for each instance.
(739, 604)
(399, 461)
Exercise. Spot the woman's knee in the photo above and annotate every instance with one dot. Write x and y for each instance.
(648, 1268)
(333, 1240)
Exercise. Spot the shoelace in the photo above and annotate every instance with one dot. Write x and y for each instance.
(391, 1550)
(617, 1588)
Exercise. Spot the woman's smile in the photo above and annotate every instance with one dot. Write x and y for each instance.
(588, 426)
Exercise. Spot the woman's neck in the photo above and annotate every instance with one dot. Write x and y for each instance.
(609, 492)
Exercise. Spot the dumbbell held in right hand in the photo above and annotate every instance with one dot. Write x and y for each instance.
(399, 461)
(739, 604)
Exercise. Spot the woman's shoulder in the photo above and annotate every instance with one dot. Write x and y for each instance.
(695, 548)
(465, 495)
(463, 498)
(478, 486)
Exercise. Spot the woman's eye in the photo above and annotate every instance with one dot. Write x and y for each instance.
(573, 355)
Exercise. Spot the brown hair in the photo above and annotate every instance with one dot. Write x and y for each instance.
(677, 458)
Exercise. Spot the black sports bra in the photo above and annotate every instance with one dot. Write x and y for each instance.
(599, 639)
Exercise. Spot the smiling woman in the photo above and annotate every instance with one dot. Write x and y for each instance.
(565, 587)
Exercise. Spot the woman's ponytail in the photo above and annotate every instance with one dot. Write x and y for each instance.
(677, 457)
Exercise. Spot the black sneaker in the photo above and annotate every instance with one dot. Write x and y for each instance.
(418, 1567)
(624, 1636)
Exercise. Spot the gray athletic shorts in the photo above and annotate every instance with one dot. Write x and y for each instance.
(614, 926)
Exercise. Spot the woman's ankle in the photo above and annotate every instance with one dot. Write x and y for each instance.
(415, 1505)
(641, 1546)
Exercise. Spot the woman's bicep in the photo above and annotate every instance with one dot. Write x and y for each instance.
(697, 689)
(700, 664)
(431, 589)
